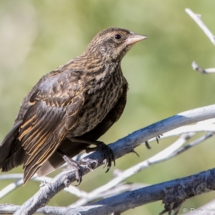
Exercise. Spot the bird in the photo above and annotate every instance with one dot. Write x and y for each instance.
(70, 108)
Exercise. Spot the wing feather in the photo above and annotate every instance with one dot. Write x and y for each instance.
(73, 149)
(45, 125)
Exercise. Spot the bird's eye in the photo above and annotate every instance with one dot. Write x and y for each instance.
(117, 36)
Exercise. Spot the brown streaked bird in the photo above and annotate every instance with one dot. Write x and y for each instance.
(70, 108)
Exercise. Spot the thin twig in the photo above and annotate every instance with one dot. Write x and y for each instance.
(10, 209)
(119, 189)
(201, 70)
(200, 23)
(193, 143)
(206, 127)
(71, 189)
(10, 188)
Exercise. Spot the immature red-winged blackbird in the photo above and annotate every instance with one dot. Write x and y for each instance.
(70, 108)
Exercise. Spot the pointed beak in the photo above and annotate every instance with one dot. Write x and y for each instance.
(134, 38)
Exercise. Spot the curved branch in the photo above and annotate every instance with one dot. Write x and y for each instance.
(168, 153)
(71, 189)
(201, 70)
(10, 209)
(171, 192)
(198, 19)
(120, 148)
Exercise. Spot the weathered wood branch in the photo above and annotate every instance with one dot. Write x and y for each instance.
(201, 70)
(172, 193)
(120, 148)
(168, 153)
(198, 19)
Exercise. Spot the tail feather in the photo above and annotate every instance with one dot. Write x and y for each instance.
(69, 148)
(7, 147)
(15, 159)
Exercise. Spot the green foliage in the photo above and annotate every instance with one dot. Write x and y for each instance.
(38, 36)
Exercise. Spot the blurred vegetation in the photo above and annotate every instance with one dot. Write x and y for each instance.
(38, 36)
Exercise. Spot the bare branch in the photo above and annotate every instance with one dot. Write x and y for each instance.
(202, 126)
(201, 70)
(10, 209)
(200, 23)
(198, 127)
(170, 152)
(71, 189)
(129, 172)
(119, 189)
(171, 192)
(194, 143)
(10, 188)
(120, 148)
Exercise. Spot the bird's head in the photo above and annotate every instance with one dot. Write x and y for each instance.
(113, 43)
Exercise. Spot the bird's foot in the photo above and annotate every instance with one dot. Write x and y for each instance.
(107, 154)
(89, 163)
(74, 165)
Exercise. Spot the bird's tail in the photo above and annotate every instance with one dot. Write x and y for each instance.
(11, 153)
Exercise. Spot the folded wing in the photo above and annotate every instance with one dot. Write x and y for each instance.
(45, 125)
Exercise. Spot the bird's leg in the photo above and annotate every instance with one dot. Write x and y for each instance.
(89, 163)
(72, 164)
(106, 151)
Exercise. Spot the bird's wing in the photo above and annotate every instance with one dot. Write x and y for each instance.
(53, 111)
(9, 149)
(75, 148)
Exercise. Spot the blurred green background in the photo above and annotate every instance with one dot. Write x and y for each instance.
(38, 36)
